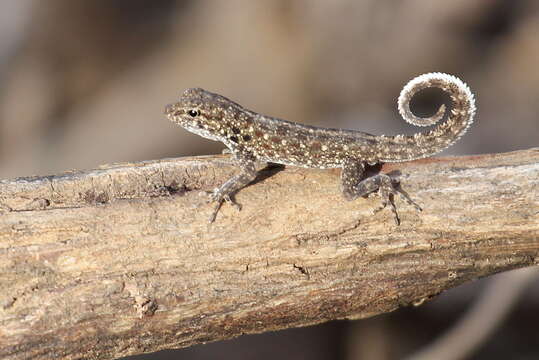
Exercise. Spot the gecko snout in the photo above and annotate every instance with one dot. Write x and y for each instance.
(170, 109)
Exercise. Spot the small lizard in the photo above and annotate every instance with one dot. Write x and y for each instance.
(253, 137)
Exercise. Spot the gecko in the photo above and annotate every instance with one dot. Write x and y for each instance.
(252, 137)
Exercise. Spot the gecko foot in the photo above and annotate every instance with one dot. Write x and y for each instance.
(388, 188)
(216, 196)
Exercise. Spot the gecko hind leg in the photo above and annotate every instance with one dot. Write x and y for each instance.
(354, 184)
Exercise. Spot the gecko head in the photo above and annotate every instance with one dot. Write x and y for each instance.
(203, 113)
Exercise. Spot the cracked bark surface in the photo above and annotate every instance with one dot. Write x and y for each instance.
(121, 260)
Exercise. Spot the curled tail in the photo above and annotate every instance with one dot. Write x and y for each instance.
(445, 134)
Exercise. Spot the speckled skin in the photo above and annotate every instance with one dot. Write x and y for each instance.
(254, 137)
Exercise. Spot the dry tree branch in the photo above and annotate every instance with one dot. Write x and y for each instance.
(122, 260)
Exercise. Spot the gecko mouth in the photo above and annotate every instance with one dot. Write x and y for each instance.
(201, 132)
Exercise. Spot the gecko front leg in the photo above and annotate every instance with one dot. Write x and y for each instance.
(354, 184)
(223, 193)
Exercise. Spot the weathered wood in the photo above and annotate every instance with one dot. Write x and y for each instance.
(121, 260)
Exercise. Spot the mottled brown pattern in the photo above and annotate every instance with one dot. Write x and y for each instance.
(251, 136)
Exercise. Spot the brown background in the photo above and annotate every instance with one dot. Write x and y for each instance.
(83, 83)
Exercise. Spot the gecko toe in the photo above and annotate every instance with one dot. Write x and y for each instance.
(216, 196)
(215, 211)
(228, 199)
(403, 195)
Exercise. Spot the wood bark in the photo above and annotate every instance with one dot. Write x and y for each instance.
(121, 260)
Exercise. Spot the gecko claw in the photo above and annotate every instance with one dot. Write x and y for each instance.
(215, 211)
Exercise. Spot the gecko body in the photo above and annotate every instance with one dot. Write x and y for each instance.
(253, 137)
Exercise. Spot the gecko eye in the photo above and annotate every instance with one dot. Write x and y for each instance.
(193, 113)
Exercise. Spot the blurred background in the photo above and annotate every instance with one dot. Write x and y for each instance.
(84, 83)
